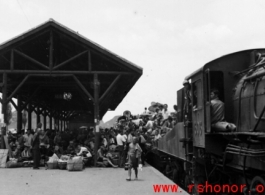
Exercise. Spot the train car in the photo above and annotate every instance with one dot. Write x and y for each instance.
(197, 155)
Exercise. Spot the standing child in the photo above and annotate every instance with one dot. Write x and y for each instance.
(134, 158)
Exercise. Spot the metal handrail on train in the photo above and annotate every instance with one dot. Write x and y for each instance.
(239, 107)
(253, 66)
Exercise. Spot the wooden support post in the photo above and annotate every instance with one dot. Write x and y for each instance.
(61, 124)
(4, 106)
(19, 114)
(50, 121)
(44, 120)
(51, 51)
(38, 115)
(29, 116)
(4, 97)
(57, 121)
(96, 114)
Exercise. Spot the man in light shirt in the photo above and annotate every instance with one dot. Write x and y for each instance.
(165, 112)
(120, 146)
(82, 150)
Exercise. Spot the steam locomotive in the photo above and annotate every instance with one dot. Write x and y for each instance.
(193, 153)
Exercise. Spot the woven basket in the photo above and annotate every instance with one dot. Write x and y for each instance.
(115, 161)
(53, 165)
(62, 165)
(75, 166)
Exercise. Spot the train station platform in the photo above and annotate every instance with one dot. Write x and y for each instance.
(94, 181)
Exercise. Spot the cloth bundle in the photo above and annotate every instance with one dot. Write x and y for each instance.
(75, 164)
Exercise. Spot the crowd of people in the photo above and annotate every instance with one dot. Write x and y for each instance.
(124, 145)
(129, 135)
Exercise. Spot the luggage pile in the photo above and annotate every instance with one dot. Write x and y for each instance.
(66, 162)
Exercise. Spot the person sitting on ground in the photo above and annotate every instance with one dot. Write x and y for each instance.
(21, 140)
(82, 151)
(58, 139)
(26, 154)
(134, 158)
(58, 151)
(17, 152)
(104, 159)
(28, 138)
(71, 148)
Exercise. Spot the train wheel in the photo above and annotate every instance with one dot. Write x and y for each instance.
(257, 186)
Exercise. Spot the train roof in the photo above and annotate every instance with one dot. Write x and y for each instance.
(226, 57)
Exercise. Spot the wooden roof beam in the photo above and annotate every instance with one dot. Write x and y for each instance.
(31, 59)
(64, 72)
(109, 88)
(83, 88)
(18, 87)
(69, 60)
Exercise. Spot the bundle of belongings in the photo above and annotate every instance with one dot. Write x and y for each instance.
(52, 163)
(75, 163)
(62, 162)
(13, 163)
(223, 126)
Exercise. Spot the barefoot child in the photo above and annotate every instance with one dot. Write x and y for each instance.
(134, 158)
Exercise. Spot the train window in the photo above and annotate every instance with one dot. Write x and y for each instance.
(216, 82)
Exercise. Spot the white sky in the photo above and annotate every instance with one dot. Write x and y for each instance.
(169, 39)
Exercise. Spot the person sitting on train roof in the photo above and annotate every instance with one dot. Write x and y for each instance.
(165, 112)
(217, 107)
(150, 123)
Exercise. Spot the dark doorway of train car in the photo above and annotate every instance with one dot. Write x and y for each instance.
(213, 80)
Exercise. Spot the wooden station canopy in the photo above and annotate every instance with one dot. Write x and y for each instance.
(50, 62)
